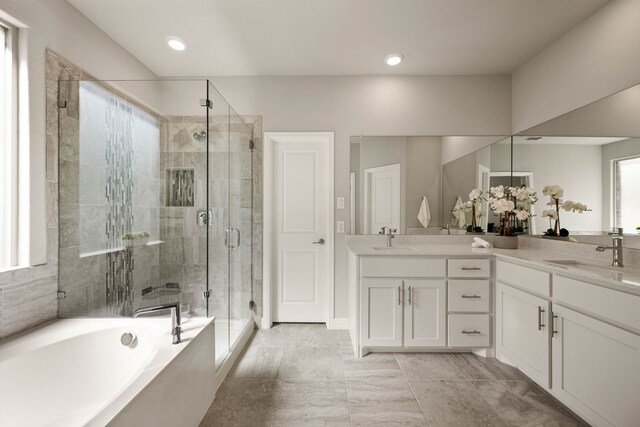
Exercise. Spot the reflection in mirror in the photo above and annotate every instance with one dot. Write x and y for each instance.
(481, 169)
(602, 173)
(593, 153)
(396, 181)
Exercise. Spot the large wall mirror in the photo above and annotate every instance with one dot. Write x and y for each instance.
(593, 154)
(397, 181)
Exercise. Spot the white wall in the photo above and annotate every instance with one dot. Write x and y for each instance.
(454, 147)
(56, 25)
(423, 179)
(582, 181)
(598, 57)
(368, 105)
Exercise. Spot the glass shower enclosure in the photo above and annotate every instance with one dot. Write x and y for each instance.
(155, 202)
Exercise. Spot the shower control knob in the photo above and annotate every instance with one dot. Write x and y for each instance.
(319, 242)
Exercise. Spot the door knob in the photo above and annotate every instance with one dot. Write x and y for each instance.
(319, 242)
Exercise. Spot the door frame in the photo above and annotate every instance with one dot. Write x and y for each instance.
(268, 270)
(368, 173)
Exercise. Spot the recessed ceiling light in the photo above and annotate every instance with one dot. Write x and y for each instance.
(394, 59)
(176, 43)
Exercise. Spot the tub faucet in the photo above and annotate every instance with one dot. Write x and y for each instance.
(176, 327)
(388, 231)
(616, 248)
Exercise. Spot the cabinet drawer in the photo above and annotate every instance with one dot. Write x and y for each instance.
(469, 268)
(469, 295)
(614, 305)
(402, 267)
(527, 278)
(469, 330)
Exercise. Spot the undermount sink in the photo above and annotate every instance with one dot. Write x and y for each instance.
(577, 264)
(393, 248)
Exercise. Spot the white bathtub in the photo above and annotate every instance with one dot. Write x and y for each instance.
(76, 372)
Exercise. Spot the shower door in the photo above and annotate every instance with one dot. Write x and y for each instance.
(240, 198)
(218, 236)
(229, 193)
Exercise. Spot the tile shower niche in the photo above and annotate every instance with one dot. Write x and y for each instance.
(180, 187)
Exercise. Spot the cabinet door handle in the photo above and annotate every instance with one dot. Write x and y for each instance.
(540, 324)
(471, 268)
(474, 332)
(410, 295)
(471, 296)
(399, 295)
(554, 331)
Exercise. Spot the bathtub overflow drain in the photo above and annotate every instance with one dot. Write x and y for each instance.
(128, 339)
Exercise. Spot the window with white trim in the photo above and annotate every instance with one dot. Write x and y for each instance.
(627, 193)
(8, 148)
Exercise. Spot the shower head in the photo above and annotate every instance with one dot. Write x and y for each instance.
(200, 136)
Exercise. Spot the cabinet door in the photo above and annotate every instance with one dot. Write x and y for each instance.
(381, 312)
(522, 332)
(425, 313)
(596, 369)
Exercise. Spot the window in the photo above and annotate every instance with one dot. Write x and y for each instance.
(627, 193)
(8, 148)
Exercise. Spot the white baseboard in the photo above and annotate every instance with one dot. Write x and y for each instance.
(342, 323)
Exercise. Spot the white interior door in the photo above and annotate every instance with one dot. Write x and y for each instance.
(302, 227)
(381, 198)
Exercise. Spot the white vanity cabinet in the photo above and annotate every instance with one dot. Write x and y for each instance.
(522, 336)
(596, 369)
(425, 313)
(381, 310)
(413, 302)
(579, 340)
(522, 319)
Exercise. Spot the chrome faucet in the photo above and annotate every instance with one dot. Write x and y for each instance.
(176, 327)
(388, 231)
(616, 248)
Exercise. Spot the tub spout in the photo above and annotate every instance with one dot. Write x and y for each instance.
(176, 327)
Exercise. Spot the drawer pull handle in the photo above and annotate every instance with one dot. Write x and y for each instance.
(400, 295)
(474, 332)
(540, 324)
(410, 295)
(471, 296)
(471, 268)
(554, 331)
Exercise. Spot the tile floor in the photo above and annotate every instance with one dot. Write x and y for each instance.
(305, 375)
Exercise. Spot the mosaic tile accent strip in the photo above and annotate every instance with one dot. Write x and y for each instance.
(119, 281)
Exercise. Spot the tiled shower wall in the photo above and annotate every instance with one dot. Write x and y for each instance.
(183, 256)
(91, 157)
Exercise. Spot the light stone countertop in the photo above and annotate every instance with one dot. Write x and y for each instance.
(622, 279)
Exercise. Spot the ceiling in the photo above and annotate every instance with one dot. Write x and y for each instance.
(335, 37)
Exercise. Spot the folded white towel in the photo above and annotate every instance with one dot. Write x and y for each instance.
(424, 214)
(459, 213)
(480, 243)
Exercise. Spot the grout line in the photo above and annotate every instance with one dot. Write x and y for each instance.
(424, 414)
(456, 366)
(346, 388)
(487, 402)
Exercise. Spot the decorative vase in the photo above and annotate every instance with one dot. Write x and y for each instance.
(505, 242)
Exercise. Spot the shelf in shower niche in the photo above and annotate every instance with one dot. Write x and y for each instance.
(117, 249)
